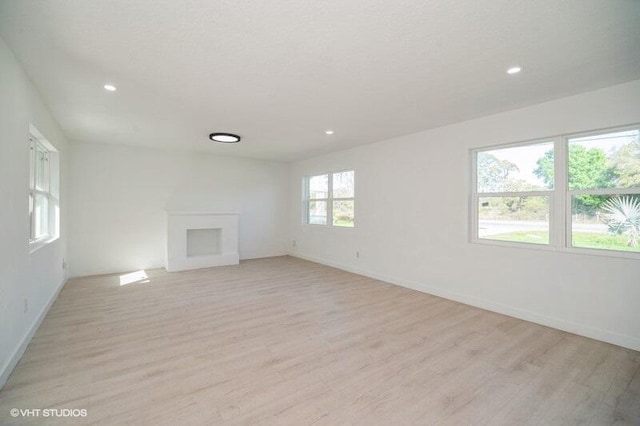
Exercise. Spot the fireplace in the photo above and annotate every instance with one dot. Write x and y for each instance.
(201, 239)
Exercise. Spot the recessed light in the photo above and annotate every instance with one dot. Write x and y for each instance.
(328, 132)
(110, 87)
(514, 70)
(224, 137)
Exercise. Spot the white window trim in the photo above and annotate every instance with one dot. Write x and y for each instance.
(560, 219)
(51, 193)
(330, 199)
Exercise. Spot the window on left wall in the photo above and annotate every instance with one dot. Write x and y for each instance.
(44, 191)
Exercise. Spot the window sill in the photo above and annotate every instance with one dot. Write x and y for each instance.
(318, 226)
(37, 245)
(567, 250)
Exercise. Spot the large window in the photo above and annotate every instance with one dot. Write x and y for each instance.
(329, 199)
(575, 191)
(44, 179)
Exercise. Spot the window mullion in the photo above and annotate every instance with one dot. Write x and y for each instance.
(559, 227)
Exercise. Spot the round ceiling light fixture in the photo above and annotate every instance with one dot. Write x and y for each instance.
(110, 87)
(514, 70)
(224, 137)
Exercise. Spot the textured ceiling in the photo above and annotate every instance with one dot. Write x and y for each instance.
(280, 73)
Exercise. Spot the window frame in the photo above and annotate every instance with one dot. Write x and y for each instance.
(475, 195)
(49, 191)
(560, 208)
(329, 200)
(569, 193)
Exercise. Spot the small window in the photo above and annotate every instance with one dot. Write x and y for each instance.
(329, 199)
(44, 179)
(513, 193)
(604, 190)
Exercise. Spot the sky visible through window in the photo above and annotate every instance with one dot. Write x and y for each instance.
(526, 157)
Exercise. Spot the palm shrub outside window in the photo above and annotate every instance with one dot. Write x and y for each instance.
(604, 190)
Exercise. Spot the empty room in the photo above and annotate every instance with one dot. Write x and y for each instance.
(356, 212)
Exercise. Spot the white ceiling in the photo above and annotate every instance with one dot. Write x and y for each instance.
(280, 73)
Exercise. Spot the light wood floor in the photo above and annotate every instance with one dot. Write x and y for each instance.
(285, 341)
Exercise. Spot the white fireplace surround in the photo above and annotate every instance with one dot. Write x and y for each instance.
(201, 239)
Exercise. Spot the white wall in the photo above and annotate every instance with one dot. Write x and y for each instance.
(412, 223)
(118, 197)
(38, 276)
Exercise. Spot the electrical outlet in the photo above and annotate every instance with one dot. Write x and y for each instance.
(357, 255)
(26, 305)
(293, 243)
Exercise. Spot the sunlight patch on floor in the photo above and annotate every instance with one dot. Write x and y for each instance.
(137, 277)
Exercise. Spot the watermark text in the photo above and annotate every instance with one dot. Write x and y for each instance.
(48, 412)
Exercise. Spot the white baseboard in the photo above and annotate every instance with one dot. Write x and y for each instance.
(7, 369)
(623, 340)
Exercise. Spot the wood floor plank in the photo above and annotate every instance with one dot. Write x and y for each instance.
(286, 341)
